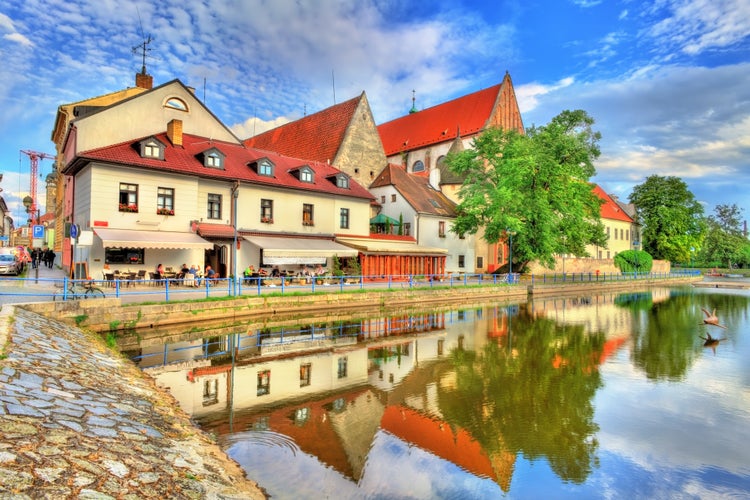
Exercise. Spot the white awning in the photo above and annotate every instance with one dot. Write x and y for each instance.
(372, 246)
(124, 238)
(280, 250)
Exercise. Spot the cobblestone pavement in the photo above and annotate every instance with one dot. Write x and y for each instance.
(77, 421)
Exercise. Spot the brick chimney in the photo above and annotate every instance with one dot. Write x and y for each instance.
(144, 81)
(174, 132)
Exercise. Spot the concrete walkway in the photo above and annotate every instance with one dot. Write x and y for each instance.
(77, 421)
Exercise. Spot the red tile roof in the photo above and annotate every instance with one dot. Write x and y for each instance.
(416, 190)
(610, 209)
(314, 137)
(188, 160)
(467, 114)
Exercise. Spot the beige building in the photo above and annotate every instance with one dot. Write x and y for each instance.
(158, 179)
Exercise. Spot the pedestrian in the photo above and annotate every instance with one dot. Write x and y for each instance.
(49, 258)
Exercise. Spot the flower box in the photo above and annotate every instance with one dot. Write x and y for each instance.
(266, 220)
(164, 211)
(308, 223)
(124, 207)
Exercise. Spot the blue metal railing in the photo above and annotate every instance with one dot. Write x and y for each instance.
(43, 289)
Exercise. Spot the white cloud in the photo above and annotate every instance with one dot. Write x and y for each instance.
(528, 95)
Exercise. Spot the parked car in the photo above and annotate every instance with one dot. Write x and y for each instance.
(9, 264)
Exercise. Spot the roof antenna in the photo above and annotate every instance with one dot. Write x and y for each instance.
(333, 84)
(143, 46)
(413, 102)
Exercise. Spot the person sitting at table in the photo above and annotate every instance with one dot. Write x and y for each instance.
(262, 272)
(275, 273)
(210, 275)
(192, 276)
(183, 271)
(248, 273)
(159, 272)
(319, 271)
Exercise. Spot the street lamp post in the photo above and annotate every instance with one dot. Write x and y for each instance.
(510, 254)
(235, 195)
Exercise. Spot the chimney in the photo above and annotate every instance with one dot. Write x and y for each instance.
(174, 132)
(144, 80)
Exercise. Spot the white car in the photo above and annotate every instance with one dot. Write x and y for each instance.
(9, 264)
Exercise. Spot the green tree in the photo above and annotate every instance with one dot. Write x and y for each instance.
(535, 185)
(671, 218)
(724, 243)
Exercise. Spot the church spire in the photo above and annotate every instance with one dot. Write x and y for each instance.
(413, 102)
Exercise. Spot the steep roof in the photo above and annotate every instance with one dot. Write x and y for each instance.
(187, 160)
(610, 209)
(465, 115)
(416, 190)
(313, 137)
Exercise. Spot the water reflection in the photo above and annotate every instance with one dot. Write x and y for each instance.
(548, 397)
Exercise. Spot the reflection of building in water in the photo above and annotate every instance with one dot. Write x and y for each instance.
(332, 402)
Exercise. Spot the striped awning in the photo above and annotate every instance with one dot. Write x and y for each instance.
(291, 250)
(124, 238)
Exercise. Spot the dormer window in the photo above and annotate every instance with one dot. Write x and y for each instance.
(418, 166)
(152, 148)
(263, 167)
(176, 103)
(305, 174)
(213, 158)
(341, 180)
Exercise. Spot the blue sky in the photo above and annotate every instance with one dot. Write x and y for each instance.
(667, 81)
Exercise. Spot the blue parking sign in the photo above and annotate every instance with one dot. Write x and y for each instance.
(38, 231)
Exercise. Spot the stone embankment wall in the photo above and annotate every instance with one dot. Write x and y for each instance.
(110, 315)
(573, 265)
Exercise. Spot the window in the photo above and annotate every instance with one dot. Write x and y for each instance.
(264, 382)
(616, 233)
(382, 199)
(441, 228)
(213, 158)
(165, 201)
(440, 347)
(304, 374)
(307, 214)
(152, 148)
(266, 211)
(342, 372)
(418, 166)
(342, 181)
(461, 261)
(265, 168)
(210, 392)
(480, 262)
(407, 228)
(123, 256)
(393, 198)
(214, 206)
(176, 103)
(128, 197)
(305, 174)
(344, 218)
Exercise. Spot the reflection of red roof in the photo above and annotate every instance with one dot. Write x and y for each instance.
(610, 347)
(610, 209)
(438, 438)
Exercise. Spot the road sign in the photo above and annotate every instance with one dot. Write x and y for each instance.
(74, 231)
(38, 231)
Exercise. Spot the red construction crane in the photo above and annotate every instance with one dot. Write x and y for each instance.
(34, 156)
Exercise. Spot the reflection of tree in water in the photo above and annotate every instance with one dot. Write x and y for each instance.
(668, 341)
(533, 398)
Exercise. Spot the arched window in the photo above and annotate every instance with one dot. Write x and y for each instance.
(176, 103)
(418, 166)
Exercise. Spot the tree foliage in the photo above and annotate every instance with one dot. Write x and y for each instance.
(535, 185)
(630, 261)
(671, 218)
(724, 243)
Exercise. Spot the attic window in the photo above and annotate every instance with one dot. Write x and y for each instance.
(434, 203)
(341, 180)
(305, 174)
(418, 166)
(152, 148)
(263, 167)
(176, 103)
(213, 158)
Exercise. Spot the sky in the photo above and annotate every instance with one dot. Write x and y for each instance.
(667, 81)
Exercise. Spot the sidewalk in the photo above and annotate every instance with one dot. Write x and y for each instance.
(77, 421)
